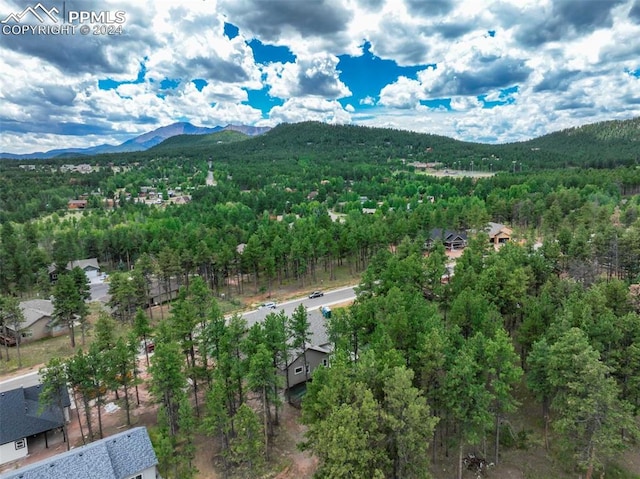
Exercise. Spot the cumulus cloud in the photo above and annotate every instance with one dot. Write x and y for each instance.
(309, 109)
(403, 94)
(308, 76)
(500, 70)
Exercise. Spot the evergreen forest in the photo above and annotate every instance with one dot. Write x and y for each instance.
(437, 355)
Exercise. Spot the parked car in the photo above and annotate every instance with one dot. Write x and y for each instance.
(270, 305)
(316, 294)
(149, 344)
(7, 340)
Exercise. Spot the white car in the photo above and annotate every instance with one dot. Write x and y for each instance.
(270, 305)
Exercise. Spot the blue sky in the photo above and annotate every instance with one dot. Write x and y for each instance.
(492, 71)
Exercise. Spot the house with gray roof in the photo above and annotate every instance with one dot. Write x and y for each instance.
(38, 314)
(21, 419)
(316, 356)
(126, 455)
(90, 266)
(450, 239)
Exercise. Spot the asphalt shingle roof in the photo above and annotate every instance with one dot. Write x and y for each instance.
(20, 415)
(117, 457)
(34, 310)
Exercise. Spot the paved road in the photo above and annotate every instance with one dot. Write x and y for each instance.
(99, 292)
(316, 320)
(26, 380)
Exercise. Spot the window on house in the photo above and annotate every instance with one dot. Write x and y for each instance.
(21, 443)
(139, 476)
(325, 362)
(298, 370)
(308, 370)
(26, 333)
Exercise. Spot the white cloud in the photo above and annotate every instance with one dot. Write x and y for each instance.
(404, 94)
(314, 75)
(309, 109)
(570, 66)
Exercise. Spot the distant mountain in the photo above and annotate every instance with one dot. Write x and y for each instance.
(139, 143)
(198, 142)
(599, 145)
(152, 138)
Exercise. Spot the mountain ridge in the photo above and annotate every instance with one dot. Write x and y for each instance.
(599, 145)
(139, 143)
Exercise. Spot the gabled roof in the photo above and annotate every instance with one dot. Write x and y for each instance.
(158, 287)
(34, 310)
(446, 235)
(116, 457)
(20, 416)
(84, 264)
(495, 228)
(294, 355)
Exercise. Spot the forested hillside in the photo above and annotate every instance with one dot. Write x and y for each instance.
(601, 145)
(441, 353)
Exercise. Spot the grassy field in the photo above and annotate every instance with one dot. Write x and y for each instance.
(35, 354)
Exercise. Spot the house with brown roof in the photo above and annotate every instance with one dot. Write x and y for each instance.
(77, 204)
(498, 233)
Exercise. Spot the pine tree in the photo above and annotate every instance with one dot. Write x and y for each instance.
(55, 381)
(68, 304)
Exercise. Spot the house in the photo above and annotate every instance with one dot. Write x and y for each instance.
(161, 291)
(21, 420)
(77, 204)
(38, 315)
(182, 199)
(316, 356)
(498, 233)
(126, 455)
(451, 239)
(90, 267)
